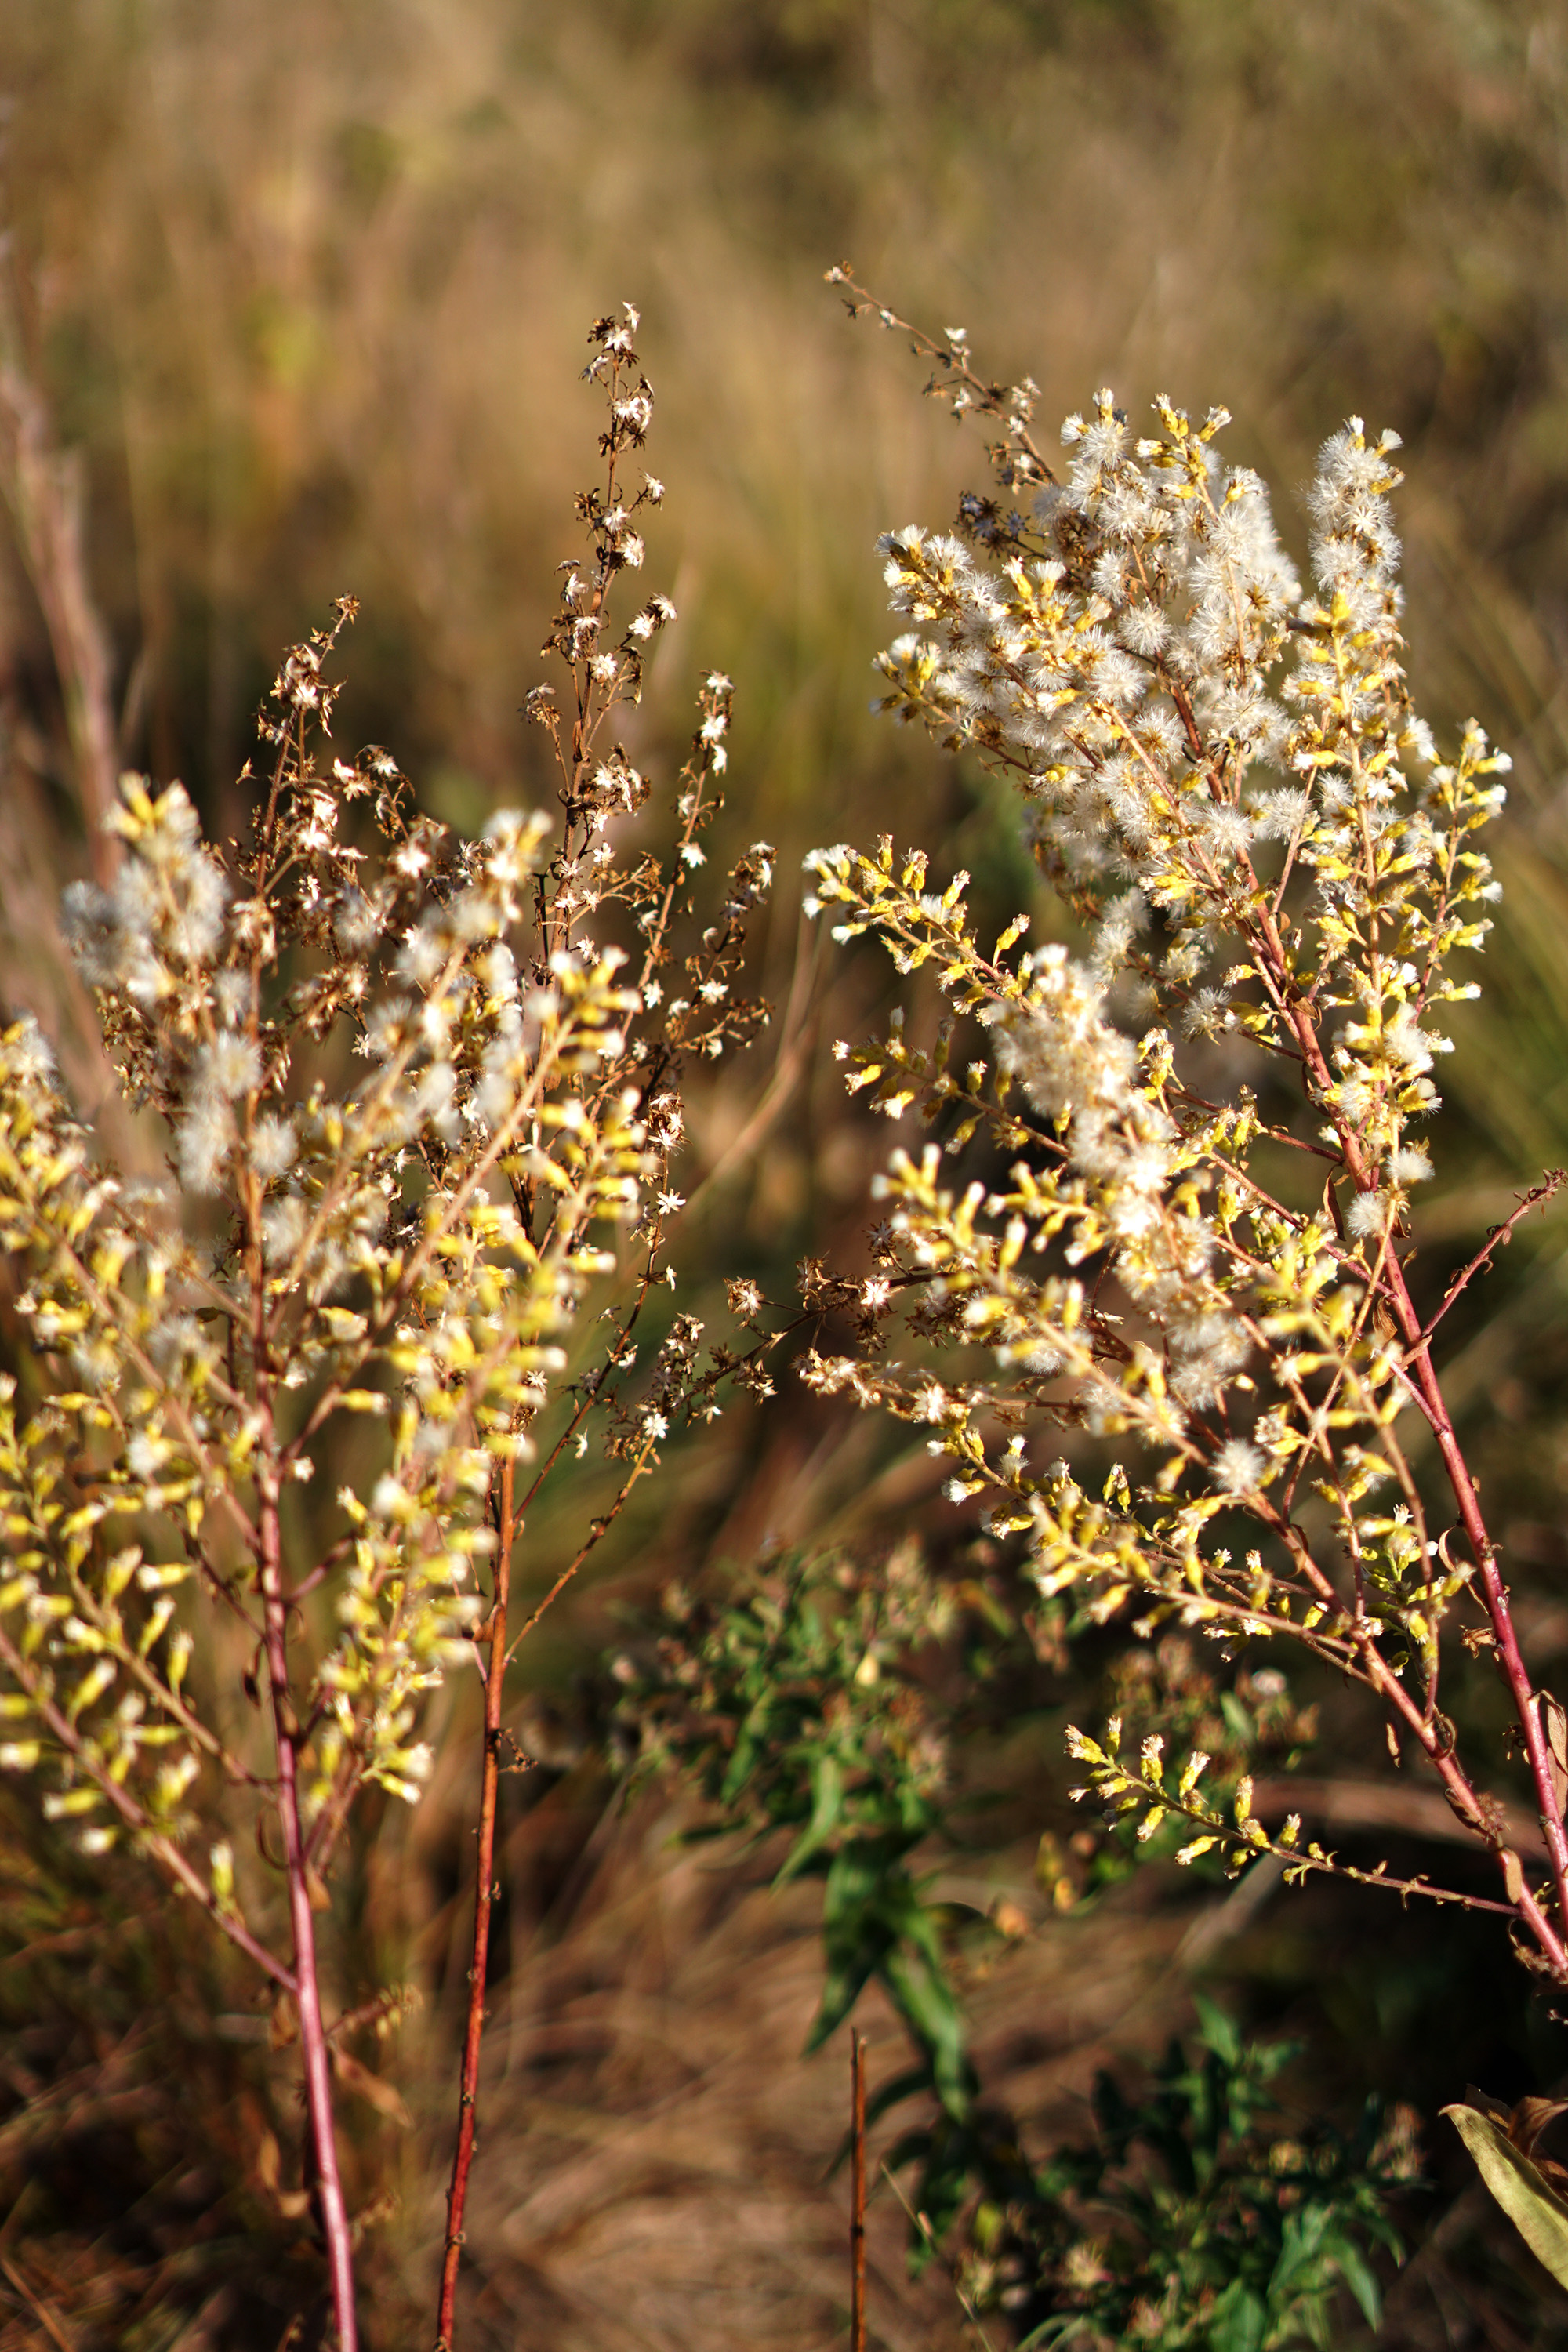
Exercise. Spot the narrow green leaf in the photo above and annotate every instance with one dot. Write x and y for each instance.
(924, 1999)
(1218, 2031)
(827, 1804)
(1358, 2275)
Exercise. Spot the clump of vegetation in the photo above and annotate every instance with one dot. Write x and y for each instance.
(1191, 2218)
(1171, 1234)
(1165, 1211)
(802, 1703)
(453, 1246)
(1190, 1150)
(791, 1706)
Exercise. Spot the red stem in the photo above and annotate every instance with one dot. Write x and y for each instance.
(1418, 1363)
(484, 1893)
(1515, 1670)
(334, 2220)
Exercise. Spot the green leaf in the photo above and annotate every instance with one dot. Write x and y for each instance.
(1237, 1721)
(1218, 2031)
(750, 1744)
(1537, 2212)
(1304, 2245)
(1358, 2275)
(827, 1806)
(904, 2085)
(855, 1936)
(1239, 2320)
(925, 2001)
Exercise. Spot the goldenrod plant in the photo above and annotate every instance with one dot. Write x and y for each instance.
(420, 1102)
(1166, 1202)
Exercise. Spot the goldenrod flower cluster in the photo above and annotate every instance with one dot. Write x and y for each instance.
(1194, 1137)
(415, 1116)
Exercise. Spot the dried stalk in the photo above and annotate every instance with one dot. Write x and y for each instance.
(484, 1898)
(42, 489)
(332, 2209)
(857, 2193)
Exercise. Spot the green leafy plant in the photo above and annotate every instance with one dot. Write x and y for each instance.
(802, 1702)
(1194, 2217)
(791, 1705)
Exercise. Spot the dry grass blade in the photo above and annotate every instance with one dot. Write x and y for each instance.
(43, 489)
(36, 2305)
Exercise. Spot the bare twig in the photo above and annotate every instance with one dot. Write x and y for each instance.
(1536, 1197)
(598, 1529)
(1378, 1805)
(857, 2192)
(484, 1896)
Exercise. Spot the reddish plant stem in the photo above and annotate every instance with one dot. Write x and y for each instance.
(1462, 1797)
(334, 2213)
(1418, 1364)
(857, 2192)
(289, 1736)
(1499, 1236)
(484, 1893)
(1515, 1672)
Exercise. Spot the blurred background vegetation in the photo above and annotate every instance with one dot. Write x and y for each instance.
(294, 301)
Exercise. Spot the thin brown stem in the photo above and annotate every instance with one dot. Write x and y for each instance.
(43, 487)
(484, 1898)
(599, 1530)
(334, 2213)
(1536, 1197)
(41, 2311)
(857, 2192)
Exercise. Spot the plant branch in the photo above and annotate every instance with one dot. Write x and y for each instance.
(1537, 1197)
(857, 2192)
(484, 1894)
(600, 1527)
(307, 1987)
(1418, 1360)
(151, 1841)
